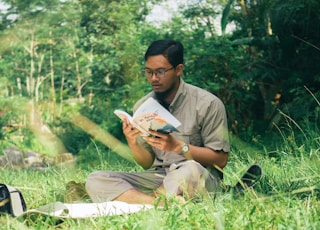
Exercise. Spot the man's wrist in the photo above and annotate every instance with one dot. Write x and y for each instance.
(185, 151)
(182, 148)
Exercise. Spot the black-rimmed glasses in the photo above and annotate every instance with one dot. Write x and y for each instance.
(158, 72)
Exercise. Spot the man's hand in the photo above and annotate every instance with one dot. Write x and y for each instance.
(165, 142)
(203, 155)
(142, 156)
(130, 132)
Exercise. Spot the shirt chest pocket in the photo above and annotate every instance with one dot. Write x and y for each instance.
(192, 135)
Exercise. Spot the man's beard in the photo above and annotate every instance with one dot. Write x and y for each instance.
(161, 96)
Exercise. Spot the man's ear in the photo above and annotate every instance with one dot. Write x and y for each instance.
(179, 69)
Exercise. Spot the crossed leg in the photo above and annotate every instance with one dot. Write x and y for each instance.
(187, 178)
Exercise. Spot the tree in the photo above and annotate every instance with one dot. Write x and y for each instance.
(44, 48)
(282, 50)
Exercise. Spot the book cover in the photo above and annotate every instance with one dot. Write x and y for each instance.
(151, 116)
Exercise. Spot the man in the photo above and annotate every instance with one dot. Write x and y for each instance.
(177, 164)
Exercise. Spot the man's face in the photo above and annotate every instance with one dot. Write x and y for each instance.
(161, 75)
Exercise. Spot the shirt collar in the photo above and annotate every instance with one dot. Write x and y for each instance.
(178, 98)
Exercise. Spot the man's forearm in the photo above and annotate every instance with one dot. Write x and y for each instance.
(142, 156)
(206, 156)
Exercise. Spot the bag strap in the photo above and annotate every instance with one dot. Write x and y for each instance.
(17, 202)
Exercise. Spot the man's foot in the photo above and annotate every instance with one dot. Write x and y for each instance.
(75, 192)
(252, 176)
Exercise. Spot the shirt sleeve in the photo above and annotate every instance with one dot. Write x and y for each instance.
(214, 131)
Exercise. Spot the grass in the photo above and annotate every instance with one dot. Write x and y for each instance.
(286, 198)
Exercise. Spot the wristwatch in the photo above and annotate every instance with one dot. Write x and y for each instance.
(184, 148)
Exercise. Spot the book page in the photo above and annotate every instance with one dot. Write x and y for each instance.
(122, 114)
(152, 106)
(151, 115)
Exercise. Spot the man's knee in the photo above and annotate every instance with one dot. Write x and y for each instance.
(189, 178)
(93, 184)
(105, 186)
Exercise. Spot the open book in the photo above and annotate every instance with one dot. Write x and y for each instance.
(151, 116)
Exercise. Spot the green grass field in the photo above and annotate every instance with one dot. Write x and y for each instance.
(286, 198)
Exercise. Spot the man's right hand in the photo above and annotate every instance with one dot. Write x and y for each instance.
(142, 156)
(130, 132)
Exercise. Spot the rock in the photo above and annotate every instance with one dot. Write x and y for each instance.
(15, 159)
(12, 158)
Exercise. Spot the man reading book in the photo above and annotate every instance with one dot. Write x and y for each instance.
(181, 164)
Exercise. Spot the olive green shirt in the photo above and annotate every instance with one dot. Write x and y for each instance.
(203, 122)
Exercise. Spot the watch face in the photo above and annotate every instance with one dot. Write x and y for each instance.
(185, 148)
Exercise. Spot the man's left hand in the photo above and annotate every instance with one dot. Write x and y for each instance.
(165, 142)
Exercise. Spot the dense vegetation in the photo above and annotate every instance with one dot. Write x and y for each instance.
(60, 58)
(64, 53)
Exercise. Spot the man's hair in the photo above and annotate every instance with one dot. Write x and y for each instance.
(172, 50)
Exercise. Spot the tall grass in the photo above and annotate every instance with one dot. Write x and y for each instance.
(286, 198)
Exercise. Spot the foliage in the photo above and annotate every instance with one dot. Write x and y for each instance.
(11, 109)
(68, 57)
(60, 62)
(268, 30)
(59, 54)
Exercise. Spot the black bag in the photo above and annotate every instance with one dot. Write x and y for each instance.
(11, 200)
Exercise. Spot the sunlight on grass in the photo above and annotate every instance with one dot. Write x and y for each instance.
(102, 136)
(287, 197)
